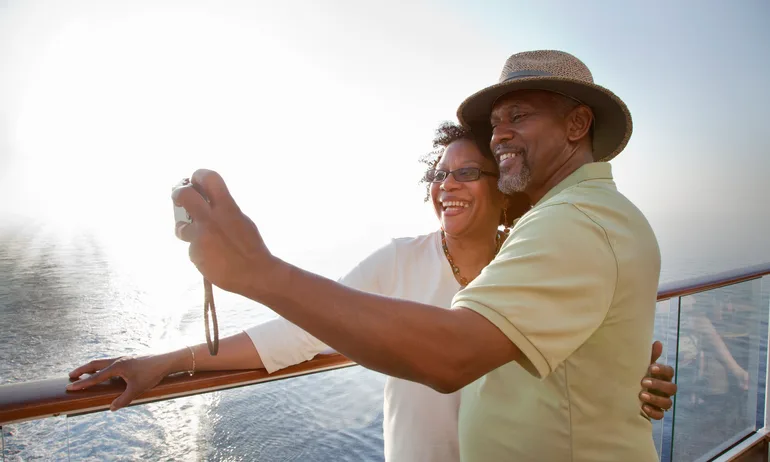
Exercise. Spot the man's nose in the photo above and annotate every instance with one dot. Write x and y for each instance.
(500, 135)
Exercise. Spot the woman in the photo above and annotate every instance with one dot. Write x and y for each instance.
(419, 423)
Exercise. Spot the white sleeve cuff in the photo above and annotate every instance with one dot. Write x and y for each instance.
(282, 344)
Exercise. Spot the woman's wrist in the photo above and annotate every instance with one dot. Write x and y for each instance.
(181, 360)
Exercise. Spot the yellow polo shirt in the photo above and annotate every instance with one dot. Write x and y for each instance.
(574, 287)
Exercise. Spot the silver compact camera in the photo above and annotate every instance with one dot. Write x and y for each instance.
(209, 310)
(180, 213)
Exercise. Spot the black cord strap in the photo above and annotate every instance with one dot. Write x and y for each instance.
(208, 305)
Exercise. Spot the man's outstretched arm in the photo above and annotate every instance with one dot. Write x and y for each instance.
(443, 349)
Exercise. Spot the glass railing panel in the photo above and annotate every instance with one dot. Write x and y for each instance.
(721, 335)
(44, 439)
(762, 383)
(335, 415)
(666, 317)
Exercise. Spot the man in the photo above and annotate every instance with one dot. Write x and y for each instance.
(569, 299)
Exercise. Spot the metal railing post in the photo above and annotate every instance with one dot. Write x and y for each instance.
(765, 287)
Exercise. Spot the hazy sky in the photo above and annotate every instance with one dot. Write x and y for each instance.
(316, 115)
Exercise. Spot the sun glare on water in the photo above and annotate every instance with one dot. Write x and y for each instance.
(119, 108)
(110, 121)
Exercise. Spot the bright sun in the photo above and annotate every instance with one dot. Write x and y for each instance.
(116, 107)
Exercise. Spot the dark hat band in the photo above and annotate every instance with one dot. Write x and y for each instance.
(533, 73)
(526, 73)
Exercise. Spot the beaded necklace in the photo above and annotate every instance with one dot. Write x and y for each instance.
(464, 281)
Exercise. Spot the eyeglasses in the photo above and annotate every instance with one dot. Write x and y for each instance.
(461, 174)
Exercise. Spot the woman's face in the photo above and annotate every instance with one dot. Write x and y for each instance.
(467, 207)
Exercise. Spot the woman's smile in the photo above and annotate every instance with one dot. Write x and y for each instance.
(453, 206)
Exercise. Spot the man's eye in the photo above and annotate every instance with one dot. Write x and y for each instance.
(513, 118)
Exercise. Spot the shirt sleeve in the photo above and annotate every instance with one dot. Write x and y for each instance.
(281, 343)
(549, 288)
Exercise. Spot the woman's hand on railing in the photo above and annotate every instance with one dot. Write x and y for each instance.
(141, 373)
(657, 386)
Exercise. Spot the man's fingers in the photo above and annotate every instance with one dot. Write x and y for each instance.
(659, 387)
(213, 186)
(91, 367)
(196, 206)
(659, 402)
(661, 371)
(185, 231)
(652, 412)
(101, 376)
(657, 350)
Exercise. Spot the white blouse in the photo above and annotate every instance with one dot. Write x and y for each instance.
(419, 423)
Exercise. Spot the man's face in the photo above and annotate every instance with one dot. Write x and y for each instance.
(529, 139)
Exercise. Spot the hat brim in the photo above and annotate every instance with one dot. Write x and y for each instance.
(612, 119)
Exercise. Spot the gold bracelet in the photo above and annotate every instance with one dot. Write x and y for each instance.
(192, 371)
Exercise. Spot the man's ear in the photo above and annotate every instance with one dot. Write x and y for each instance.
(579, 122)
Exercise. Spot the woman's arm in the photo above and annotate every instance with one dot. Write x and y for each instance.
(272, 345)
(144, 372)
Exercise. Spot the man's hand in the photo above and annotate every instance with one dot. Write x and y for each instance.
(225, 244)
(657, 386)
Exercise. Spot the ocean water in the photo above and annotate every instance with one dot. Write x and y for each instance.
(66, 299)
(69, 297)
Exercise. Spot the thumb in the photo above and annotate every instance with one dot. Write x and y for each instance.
(124, 399)
(657, 350)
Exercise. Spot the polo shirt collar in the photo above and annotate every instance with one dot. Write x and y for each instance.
(590, 171)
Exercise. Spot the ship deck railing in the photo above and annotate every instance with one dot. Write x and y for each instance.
(734, 303)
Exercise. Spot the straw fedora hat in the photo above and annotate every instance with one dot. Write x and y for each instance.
(562, 73)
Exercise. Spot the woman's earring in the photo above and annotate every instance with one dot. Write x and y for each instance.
(506, 229)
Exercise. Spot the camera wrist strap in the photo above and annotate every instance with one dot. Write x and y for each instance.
(208, 305)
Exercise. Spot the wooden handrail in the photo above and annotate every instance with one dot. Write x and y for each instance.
(45, 398)
(714, 281)
(24, 401)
